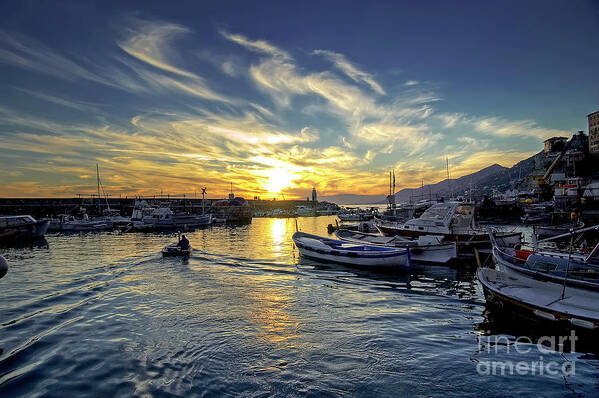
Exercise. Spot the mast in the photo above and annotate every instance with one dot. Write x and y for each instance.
(389, 189)
(98, 178)
(448, 182)
(393, 192)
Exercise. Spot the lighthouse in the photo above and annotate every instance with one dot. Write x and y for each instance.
(313, 194)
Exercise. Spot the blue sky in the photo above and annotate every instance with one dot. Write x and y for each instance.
(279, 97)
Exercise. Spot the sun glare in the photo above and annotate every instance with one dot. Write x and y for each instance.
(278, 179)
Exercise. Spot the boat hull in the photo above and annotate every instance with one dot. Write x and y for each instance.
(542, 300)
(312, 246)
(431, 254)
(174, 251)
(25, 231)
(466, 242)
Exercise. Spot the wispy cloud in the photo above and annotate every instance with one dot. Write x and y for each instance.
(24, 52)
(506, 128)
(351, 69)
(151, 42)
(73, 104)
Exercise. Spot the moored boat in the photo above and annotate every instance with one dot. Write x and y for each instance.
(426, 249)
(22, 227)
(543, 231)
(68, 223)
(546, 301)
(165, 218)
(454, 222)
(577, 270)
(332, 250)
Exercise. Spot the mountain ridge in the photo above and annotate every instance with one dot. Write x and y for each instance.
(483, 182)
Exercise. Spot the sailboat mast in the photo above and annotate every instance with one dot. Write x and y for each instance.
(393, 191)
(448, 182)
(389, 198)
(98, 178)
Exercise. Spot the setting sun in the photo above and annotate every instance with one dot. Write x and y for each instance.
(278, 179)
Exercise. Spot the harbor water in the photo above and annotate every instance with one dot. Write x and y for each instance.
(104, 314)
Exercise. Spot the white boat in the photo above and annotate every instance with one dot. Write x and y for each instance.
(22, 227)
(331, 250)
(165, 218)
(427, 249)
(68, 223)
(544, 300)
(454, 222)
(351, 214)
(305, 211)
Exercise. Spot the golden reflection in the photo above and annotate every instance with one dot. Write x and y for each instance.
(278, 234)
(269, 311)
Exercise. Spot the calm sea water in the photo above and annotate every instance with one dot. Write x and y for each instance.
(106, 315)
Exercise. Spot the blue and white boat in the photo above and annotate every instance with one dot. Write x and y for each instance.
(338, 251)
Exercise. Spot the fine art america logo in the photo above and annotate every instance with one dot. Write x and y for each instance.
(539, 366)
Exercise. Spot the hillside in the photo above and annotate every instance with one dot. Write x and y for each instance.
(482, 182)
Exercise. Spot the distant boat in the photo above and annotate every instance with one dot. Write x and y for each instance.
(546, 301)
(165, 218)
(331, 250)
(21, 227)
(68, 223)
(350, 214)
(425, 249)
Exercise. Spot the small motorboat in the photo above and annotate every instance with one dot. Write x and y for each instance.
(175, 250)
(338, 251)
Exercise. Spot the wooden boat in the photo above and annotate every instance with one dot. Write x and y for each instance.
(338, 251)
(174, 250)
(454, 222)
(426, 249)
(576, 270)
(544, 300)
(543, 231)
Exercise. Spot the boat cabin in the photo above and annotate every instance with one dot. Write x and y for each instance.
(446, 218)
(13, 221)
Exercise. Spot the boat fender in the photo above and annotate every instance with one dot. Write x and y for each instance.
(582, 323)
(3, 266)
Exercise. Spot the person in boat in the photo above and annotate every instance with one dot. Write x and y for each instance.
(183, 243)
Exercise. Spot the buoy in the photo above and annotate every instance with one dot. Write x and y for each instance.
(3, 266)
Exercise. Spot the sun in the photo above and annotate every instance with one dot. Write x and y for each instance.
(278, 179)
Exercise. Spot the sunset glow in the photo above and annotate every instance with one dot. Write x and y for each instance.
(173, 103)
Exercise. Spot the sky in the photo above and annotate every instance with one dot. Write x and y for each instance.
(279, 97)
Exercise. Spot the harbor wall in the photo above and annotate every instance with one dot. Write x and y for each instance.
(46, 207)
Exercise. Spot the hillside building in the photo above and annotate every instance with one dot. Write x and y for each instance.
(593, 119)
(555, 144)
